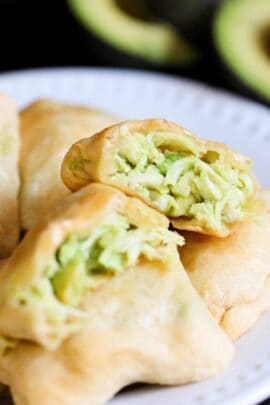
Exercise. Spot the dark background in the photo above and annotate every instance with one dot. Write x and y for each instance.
(44, 34)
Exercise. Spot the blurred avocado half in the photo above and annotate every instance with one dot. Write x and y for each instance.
(242, 39)
(125, 33)
(192, 17)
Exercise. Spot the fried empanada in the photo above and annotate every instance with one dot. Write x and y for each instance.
(102, 285)
(48, 129)
(9, 178)
(232, 275)
(200, 185)
(2, 387)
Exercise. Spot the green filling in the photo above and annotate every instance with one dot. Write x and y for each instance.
(183, 184)
(83, 262)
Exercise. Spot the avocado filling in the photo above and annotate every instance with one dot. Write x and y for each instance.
(183, 184)
(82, 262)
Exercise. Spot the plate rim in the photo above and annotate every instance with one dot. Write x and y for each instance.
(260, 389)
(194, 84)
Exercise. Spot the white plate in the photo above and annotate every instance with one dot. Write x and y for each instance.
(211, 114)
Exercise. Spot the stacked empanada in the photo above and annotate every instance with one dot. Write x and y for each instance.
(9, 176)
(232, 274)
(95, 296)
(48, 129)
(101, 287)
(201, 186)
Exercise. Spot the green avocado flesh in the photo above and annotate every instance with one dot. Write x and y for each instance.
(83, 262)
(242, 37)
(183, 184)
(156, 42)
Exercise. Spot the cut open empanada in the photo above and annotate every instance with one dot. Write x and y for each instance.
(200, 185)
(48, 129)
(101, 290)
(232, 275)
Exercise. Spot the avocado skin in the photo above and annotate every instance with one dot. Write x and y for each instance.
(105, 54)
(233, 80)
(191, 17)
(236, 84)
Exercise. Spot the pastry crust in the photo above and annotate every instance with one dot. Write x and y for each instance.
(9, 179)
(97, 163)
(48, 129)
(232, 275)
(77, 214)
(146, 325)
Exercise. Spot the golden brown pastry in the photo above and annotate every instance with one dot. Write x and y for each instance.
(201, 186)
(232, 275)
(102, 285)
(145, 324)
(9, 178)
(48, 129)
(2, 387)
